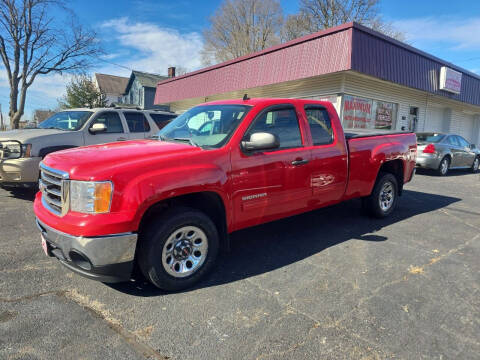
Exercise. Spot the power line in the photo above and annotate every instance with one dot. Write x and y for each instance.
(112, 63)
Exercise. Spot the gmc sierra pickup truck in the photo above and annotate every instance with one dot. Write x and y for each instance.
(165, 207)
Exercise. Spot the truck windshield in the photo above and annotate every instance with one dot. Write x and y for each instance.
(206, 125)
(66, 120)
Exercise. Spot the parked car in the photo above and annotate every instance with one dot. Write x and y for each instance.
(22, 150)
(442, 152)
(220, 167)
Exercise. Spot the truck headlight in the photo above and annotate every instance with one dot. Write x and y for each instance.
(92, 197)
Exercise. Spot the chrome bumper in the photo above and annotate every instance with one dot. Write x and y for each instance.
(105, 258)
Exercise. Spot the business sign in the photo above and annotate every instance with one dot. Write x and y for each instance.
(357, 112)
(450, 80)
(384, 115)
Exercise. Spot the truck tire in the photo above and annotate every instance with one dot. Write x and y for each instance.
(383, 199)
(475, 165)
(178, 248)
(444, 166)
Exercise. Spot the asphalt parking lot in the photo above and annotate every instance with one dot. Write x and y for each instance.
(330, 284)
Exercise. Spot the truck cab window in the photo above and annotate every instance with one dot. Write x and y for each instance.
(320, 126)
(112, 122)
(137, 122)
(282, 123)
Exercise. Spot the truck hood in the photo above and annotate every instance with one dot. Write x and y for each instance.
(98, 162)
(28, 135)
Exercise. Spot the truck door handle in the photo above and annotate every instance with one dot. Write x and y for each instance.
(299, 162)
(121, 139)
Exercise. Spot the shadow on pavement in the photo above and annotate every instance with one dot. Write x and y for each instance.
(22, 193)
(267, 247)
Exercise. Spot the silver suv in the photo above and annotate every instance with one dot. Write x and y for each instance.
(22, 150)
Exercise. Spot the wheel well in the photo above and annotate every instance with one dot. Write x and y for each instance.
(208, 202)
(394, 167)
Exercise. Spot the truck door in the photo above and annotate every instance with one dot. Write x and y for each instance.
(329, 165)
(275, 183)
(138, 126)
(115, 129)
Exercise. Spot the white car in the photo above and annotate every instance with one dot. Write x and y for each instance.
(22, 150)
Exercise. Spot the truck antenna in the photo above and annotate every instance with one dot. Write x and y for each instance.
(245, 97)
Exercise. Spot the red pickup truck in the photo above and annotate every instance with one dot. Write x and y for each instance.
(167, 206)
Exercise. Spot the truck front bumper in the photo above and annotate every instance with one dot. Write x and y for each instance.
(107, 258)
(21, 172)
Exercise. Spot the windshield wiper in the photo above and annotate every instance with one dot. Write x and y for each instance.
(193, 143)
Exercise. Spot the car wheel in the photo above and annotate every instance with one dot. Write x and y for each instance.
(383, 199)
(444, 166)
(476, 164)
(178, 248)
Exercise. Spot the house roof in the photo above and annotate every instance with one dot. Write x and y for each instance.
(111, 84)
(145, 79)
(348, 47)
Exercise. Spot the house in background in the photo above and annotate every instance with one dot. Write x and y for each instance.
(112, 86)
(140, 90)
(41, 115)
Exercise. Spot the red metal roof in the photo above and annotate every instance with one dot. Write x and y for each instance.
(347, 47)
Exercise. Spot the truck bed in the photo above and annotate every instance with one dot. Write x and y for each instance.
(362, 133)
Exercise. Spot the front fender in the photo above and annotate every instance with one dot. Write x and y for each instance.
(150, 188)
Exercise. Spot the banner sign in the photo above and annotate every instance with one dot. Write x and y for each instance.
(450, 80)
(357, 112)
(384, 115)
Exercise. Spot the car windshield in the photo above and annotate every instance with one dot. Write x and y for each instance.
(66, 120)
(207, 126)
(430, 137)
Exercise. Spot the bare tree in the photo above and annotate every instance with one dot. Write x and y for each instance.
(240, 27)
(33, 42)
(317, 15)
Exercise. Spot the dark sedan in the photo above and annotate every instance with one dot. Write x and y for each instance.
(442, 152)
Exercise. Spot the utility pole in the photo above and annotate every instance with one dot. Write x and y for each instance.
(1, 119)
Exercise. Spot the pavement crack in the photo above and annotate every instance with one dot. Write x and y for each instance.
(98, 309)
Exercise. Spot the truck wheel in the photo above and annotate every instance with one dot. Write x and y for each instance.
(444, 166)
(476, 164)
(383, 199)
(178, 248)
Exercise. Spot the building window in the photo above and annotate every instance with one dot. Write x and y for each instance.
(364, 113)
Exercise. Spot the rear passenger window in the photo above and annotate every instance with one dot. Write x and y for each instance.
(162, 119)
(112, 122)
(320, 126)
(137, 122)
(283, 123)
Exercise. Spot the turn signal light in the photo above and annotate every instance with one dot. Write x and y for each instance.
(103, 195)
(429, 149)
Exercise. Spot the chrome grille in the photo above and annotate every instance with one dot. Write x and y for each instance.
(54, 187)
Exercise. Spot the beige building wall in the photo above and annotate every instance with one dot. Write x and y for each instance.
(435, 113)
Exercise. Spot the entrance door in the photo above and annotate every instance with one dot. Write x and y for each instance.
(271, 184)
(412, 119)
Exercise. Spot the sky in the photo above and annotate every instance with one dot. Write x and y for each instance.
(151, 35)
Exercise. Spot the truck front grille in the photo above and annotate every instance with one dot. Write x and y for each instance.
(55, 190)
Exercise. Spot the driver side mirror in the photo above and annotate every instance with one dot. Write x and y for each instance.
(261, 141)
(472, 146)
(97, 128)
